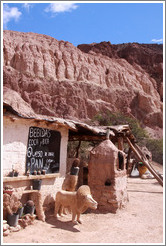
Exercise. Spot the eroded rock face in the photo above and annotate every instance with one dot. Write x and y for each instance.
(55, 78)
(148, 56)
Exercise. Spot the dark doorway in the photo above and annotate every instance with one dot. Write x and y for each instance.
(85, 175)
(121, 160)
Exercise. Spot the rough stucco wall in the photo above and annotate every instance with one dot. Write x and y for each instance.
(48, 190)
(15, 138)
(103, 166)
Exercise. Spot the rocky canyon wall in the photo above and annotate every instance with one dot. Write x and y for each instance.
(45, 76)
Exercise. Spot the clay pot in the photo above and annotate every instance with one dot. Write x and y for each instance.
(43, 172)
(28, 173)
(11, 174)
(29, 209)
(20, 211)
(16, 174)
(37, 184)
(12, 219)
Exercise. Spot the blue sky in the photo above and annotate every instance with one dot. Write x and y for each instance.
(80, 23)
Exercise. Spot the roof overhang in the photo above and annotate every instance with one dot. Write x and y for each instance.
(78, 131)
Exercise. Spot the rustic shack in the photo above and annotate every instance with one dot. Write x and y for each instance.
(33, 142)
(109, 161)
(107, 170)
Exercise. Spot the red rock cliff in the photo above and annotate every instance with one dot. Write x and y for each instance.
(45, 76)
(148, 56)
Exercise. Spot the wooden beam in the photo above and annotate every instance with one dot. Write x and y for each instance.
(128, 158)
(86, 138)
(141, 152)
(145, 162)
(31, 177)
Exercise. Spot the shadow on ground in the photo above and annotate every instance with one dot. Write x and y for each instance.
(58, 224)
(143, 191)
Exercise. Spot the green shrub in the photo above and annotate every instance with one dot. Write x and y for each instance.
(156, 148)
(108, 119)
(84, 149)
(71, 148)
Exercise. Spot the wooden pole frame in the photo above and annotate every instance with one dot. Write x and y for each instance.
(128, 158)
(145, 162)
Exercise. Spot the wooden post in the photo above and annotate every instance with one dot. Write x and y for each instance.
(145, 162)
(120, 143)
(128, 158)
(77, 150)
(108, 134)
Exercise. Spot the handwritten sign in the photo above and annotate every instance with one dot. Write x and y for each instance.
(43, 150)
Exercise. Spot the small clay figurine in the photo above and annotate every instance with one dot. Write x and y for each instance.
(71, 178)
(35, 172)
(38, 172)
(28, 172)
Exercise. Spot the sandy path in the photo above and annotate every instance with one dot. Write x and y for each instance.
(140, 222)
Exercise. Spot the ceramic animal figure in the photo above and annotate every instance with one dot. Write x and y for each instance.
(78, 201)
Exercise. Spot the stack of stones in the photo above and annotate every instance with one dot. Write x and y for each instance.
(8, 229)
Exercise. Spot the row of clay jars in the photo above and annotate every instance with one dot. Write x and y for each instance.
(37, 172)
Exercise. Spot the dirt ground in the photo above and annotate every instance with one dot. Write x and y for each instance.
(140, 222)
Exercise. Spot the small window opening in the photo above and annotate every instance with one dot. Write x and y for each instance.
(121, 160)
(108, 182)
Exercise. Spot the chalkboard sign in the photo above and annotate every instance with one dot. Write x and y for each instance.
(43, 150)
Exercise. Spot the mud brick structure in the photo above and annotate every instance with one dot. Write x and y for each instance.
(107, 176)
